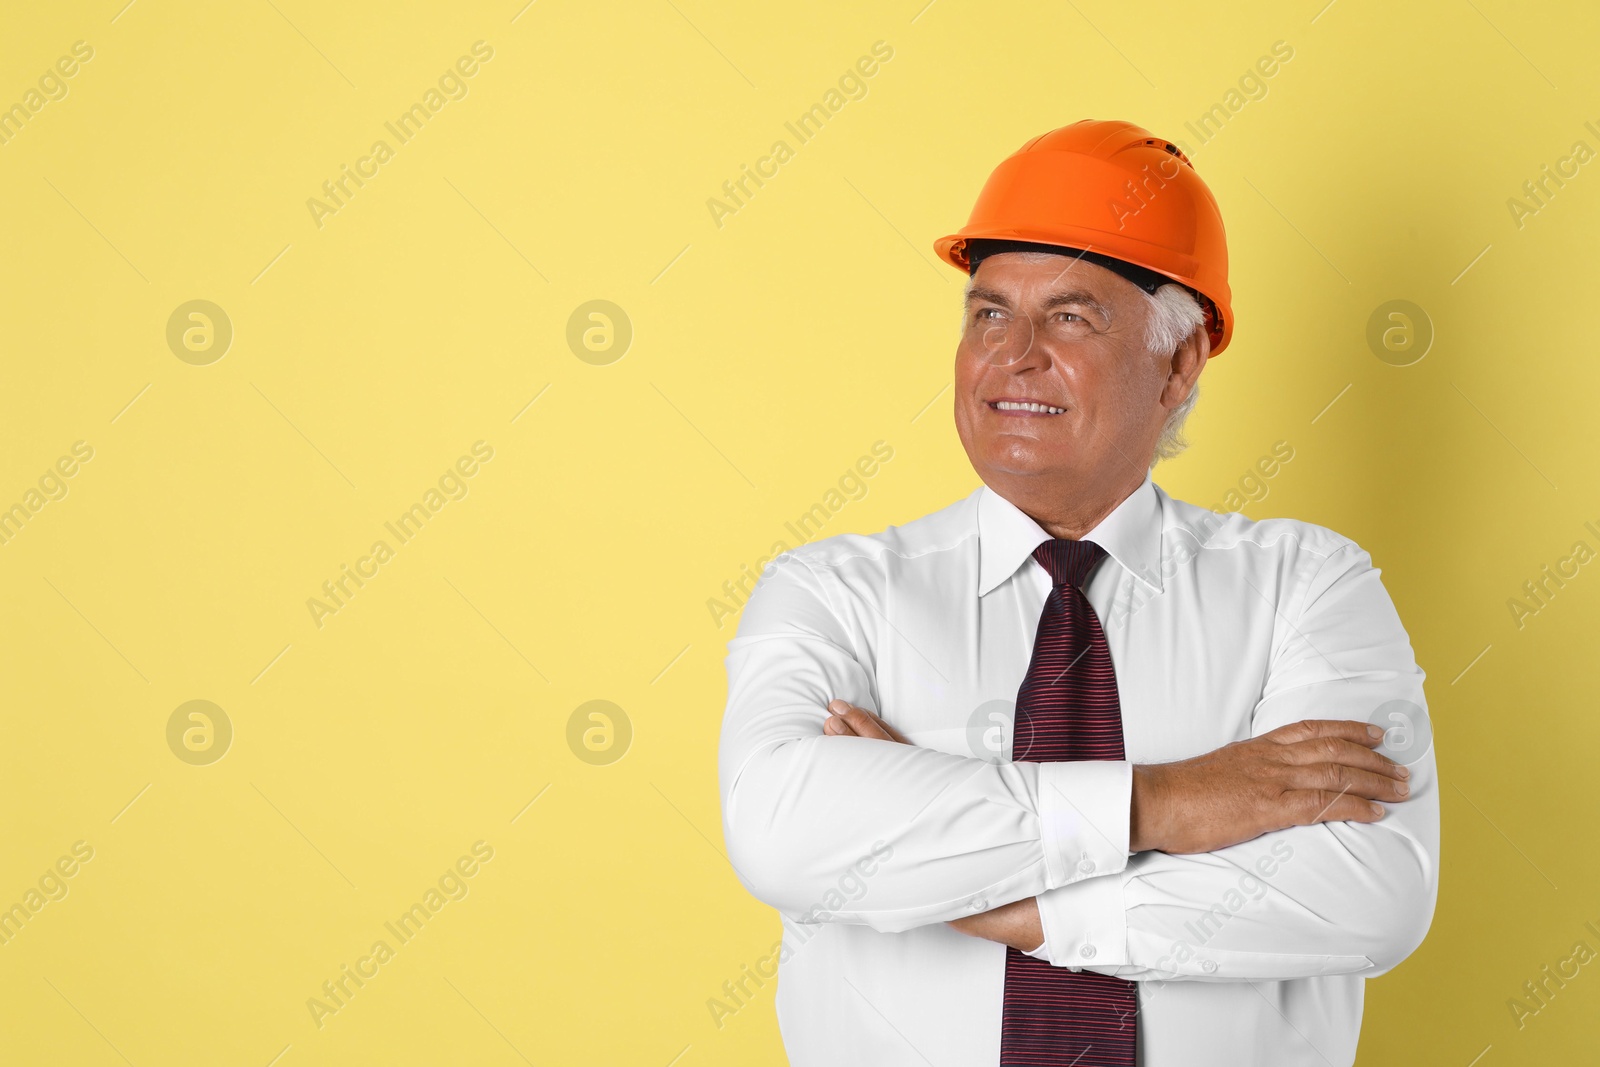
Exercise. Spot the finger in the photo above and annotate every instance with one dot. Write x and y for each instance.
(1348, 753)
(1321, 805)
(836, 710)
(1353, 730)
(1337, 778)
(866, 723)
(861, 722)
(883, 724)
(835, 726)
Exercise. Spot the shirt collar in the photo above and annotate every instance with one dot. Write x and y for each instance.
(1131, 535)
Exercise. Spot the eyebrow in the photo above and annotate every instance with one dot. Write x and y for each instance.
(1057, 299)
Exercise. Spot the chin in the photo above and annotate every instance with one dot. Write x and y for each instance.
(1022, 457)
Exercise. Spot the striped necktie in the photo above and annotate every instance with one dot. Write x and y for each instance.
(1067, 709)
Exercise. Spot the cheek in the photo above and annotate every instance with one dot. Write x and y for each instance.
(1127, 386)
(968, 378)
(968, 366)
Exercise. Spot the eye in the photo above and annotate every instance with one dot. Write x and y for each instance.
(983, 314)
(1070, 316)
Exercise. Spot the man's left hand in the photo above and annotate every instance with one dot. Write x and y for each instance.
(847, 720)
(1015, 924)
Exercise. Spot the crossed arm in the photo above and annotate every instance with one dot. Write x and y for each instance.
(1310, 772)
(1164, 870)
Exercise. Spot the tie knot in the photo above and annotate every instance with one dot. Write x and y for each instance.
(1069, 562)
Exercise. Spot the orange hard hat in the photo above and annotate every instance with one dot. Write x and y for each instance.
(1112, 189)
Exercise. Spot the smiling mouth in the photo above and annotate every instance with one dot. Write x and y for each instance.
(1024, 408)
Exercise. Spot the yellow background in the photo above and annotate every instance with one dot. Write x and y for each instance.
(767, 355)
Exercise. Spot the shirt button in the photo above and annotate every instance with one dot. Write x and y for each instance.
(1087, 952)
(1086, 866)
(980, 905)
(1208, 966)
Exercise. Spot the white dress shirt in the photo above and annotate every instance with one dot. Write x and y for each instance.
(1220, 628)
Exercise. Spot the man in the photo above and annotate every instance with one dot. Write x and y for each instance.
(1072, 772)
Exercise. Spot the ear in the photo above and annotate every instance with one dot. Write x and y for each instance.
(1185, 366)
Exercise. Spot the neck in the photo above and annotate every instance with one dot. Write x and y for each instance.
(1067, 512)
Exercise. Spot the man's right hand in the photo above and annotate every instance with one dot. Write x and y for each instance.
(1320, 770)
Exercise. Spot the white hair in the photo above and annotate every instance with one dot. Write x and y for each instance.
(1174, 315)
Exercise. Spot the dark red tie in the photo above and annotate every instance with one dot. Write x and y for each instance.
(1067, 709)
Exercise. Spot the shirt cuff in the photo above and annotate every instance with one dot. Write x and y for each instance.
(1084, 811)
(1085, 924)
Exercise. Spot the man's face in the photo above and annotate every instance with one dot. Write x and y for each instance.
(1054, 330)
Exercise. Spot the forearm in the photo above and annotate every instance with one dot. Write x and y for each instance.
(1335, 898)
(1015, 925)
(953, 836)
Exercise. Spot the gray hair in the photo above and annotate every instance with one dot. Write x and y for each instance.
(1174, 315)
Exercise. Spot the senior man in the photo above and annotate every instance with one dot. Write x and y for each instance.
(1072, 772)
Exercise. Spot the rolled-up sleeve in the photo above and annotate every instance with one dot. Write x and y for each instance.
(858, 830)
(1332, 898)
